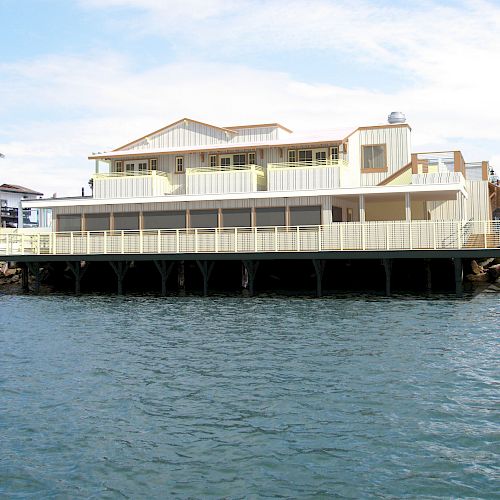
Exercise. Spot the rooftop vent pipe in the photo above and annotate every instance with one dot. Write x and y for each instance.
(396, 117)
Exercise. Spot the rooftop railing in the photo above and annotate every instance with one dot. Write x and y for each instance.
(341, 236)
(309, 164)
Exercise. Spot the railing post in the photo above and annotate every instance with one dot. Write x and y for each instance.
(387, 239)
(485, 227)
(216, 236)
(177, 241)
(276, 238)
(196, 240)
(434, 235)
(298, 239)
(88, 242)
(122, 241)
(410, 235)
(105, 242)
(255, 241)
(158, 242)
(22, 243)
(342, 227)
(141, 242)
(363, 236)
(319, 238)
(459, 234)
(71, 243)
(235, 239)
(38, 241)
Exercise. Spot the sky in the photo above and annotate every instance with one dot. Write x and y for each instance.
(84, 76)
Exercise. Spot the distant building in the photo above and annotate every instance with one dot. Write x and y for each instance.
(10, 201)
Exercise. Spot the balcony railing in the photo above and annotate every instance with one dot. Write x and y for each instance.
(225, 179)
(305, 175)
(130, 184)
(341, 236)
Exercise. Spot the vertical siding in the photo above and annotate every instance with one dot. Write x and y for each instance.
(398, 148)
(478, 204)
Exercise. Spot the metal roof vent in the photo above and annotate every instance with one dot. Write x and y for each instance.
(396, 117)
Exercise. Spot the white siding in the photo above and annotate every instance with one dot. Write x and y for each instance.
(299, 178)
(398, 148)
(478, 204)
(131, 186)
(236, 181)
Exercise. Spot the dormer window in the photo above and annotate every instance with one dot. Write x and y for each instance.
(179, 164)
(373, 157)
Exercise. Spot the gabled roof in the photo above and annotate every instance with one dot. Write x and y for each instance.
(13, 188)
(171, 125)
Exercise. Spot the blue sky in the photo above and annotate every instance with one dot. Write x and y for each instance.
(78, 76)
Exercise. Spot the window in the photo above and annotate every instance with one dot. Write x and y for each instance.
(129, 167)
(305, 216)
(165, 220)
(97, 222)
(236, 217)
(69, 222)
(305, 155)
(320, 155)
(239, 160)
(251, 158)
(179, 164)
(334, 152)
(153, 164)
(203, 218)
(292, 156)
(373, 157)
(128, 221)
(143, 166)
(270, 216)
(118, 166)
(225, 161)
(212, 160)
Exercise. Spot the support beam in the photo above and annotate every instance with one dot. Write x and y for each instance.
(428, 275)
(25, 278)
(120, 268)
(407, 207)
(206, 271)
(362, 211)
(36, 271)
(459, 274)
(164, 271)
(251, 267)
(319, 270)
(181, 278)
(388, 270)
(78, 270)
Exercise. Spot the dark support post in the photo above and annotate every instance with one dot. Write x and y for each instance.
(78, 271)
(428, 275)
(458, 276)
(251, 267)
(25, 278)
(120, 268)
(319, 269)
(206, 271)
(36, 271)
(164, 271)
(181, 279)
(387, 269)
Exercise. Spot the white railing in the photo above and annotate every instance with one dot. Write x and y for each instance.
(341, 236)
(222, 179)
(438, 178)
(305, 175)
(131, 184)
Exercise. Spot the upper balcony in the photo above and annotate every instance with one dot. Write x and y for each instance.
(140, 184)
(225, 179)
(308, 175)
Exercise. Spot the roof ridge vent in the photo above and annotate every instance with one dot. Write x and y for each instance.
(396, 117)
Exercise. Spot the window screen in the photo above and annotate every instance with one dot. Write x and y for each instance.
(165, 220)
(69, 223)
(238, 217)
(97, 222)
(203, 218)
(374, 156)
(128, 221)
(270, 216)
(305, 216)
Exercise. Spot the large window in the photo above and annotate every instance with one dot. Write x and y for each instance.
(305, 216)
(374, 157)
(239, 160)
(203, 218)
(236, 217)
(173, 219)
(127, 221)
(97, 222)
(69, 222)
(143, 166)
(270, 216)
(305, 155)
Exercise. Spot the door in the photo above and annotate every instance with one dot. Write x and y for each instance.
(336, 214)
(225, 161)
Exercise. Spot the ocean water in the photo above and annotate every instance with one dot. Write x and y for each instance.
(147, 397)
